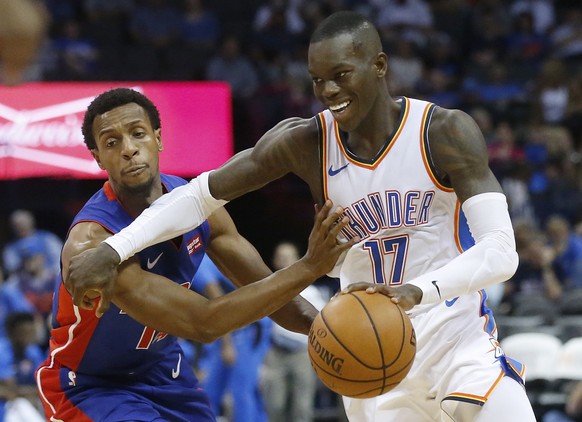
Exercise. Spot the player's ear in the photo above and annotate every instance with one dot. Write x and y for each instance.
(95, 154)
(158, 133)
(381, 64)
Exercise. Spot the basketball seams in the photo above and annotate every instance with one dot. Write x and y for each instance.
(378, 341)
(354, 335)
(343, 345)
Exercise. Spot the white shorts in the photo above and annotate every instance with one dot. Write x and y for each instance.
(458, 357)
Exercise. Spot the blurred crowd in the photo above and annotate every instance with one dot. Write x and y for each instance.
(514, 66)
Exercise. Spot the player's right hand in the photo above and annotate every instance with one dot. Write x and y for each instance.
(407, 295)
(324, 249)
(93, 270)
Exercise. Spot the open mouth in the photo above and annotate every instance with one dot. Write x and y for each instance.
(338, 108)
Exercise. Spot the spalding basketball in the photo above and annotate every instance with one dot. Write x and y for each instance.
(361, 344)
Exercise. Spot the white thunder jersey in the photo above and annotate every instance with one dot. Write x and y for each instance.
(410, 223)
(390, 198)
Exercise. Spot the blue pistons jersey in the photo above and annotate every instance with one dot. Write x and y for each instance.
(115, 346)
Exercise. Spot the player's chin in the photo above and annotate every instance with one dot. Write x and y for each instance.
(138, 184)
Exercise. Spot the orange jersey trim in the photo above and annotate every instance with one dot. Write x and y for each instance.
(457, 223)
(323, 127)
(474, 398)
(423, 136)
(378, 160)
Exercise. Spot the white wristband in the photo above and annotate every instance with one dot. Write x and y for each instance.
(175, 213)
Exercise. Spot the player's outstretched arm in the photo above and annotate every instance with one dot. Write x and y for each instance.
(163, 305)
(186, 207)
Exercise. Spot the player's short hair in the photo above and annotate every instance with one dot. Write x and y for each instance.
(343, 22)
(115, 98)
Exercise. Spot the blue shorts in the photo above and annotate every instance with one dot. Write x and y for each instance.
(153, 395)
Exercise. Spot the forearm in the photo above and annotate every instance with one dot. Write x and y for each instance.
(194, 317)
(174, 213)
(491, 260)
(241, 263)
(298, 315)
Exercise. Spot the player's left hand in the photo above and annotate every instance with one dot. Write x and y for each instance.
(93, 272)
(407, 296)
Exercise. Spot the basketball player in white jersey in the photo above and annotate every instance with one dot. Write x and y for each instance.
(431, 217)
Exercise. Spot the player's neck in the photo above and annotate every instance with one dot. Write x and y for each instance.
(134, 201)
(374, 131)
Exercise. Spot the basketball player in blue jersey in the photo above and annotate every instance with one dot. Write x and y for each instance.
(123, 366)
(432, 220)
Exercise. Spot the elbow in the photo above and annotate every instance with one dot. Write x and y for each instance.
(206, 331)
(507, 266)
(208, 336)
(505, 259)
(200, 337)
(514, 258)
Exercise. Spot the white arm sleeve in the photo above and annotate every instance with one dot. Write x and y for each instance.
(174, 213)
(491, 260)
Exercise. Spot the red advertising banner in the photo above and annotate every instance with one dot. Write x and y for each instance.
(40, 127)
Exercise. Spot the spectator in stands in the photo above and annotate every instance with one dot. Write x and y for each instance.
(566, 37)
(496, 90)
(35, 280)
(398, 18)
(542, 12)
(484, 120)
(504, 151)
(231, 65)
(526, 48)
(554, 187)
(76, 55)
(11, 300)
(551, 92)
(154, 28)
(106, 21)
(406, 67)
(573, 409)
(490, 24)
(155, 23)
(231, 364)
(535, 288)
(453, 18)
(438, 87)
(23, 225)
(20, 355)
(290, 384)
(567, 249)
(289, 11)
(200, 28)
(273, 35)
